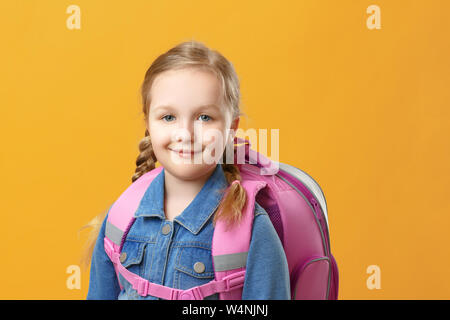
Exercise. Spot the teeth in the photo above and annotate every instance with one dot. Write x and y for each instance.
(185, 151)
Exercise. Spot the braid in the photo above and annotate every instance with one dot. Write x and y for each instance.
(146, 160)
(230, 208)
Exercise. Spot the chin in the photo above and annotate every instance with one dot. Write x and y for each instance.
(186, 171)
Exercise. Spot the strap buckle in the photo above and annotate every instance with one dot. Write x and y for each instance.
(191, 294)
(234, 281)
(142, 287)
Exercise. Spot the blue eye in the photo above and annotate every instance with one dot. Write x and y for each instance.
(165, 117)
(205, 115)
(171, 117)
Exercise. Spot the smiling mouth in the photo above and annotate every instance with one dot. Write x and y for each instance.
(184, 154)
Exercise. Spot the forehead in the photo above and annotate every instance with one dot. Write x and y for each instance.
(185, 88)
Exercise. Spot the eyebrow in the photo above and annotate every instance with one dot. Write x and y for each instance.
(205, 106)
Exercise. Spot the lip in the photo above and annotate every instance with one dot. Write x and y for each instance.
(185, 154)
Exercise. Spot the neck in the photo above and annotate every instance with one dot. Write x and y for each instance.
(179, 188)
(179, 192)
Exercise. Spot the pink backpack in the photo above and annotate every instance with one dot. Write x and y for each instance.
(297, 208)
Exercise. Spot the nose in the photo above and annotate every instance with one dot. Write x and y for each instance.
(186, 132)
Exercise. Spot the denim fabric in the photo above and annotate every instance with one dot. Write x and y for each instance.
(168, 259)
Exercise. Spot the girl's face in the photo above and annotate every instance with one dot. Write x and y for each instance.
(188, 124)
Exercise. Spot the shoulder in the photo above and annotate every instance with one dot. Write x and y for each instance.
(264, 240)
(259, 210)
(262, 225)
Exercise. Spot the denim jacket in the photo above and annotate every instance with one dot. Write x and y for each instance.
(177, 253)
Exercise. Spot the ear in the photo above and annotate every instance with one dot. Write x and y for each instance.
(233, 128)
(235, 125)
(146, 125)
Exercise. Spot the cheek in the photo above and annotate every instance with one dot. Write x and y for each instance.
(159, 136)
(214, 137)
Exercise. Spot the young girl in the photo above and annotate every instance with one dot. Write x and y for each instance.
(189, 92)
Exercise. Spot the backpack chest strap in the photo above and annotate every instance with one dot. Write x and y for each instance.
(145, 287)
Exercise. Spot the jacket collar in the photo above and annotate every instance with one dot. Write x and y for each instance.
(197, 213)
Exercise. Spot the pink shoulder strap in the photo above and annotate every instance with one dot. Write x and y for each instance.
(230, 247)
(120, 216)
(121, 213)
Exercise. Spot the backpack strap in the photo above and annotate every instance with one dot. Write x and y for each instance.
(230, 246)
(121, 216)
(145, 287)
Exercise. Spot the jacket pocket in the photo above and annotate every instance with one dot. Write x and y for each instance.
(132, 253)
(193, 267)
(132, 257)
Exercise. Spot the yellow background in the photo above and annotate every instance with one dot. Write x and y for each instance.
(365, 112)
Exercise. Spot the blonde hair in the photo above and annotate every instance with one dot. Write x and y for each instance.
(190, 54)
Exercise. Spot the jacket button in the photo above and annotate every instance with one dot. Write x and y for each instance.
(123, 257)
(199, 267)
(166, 229)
